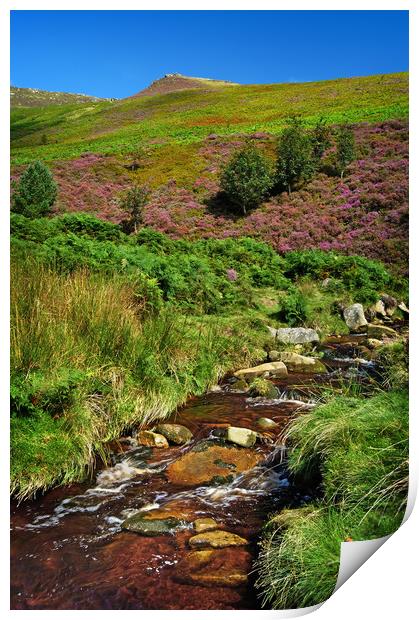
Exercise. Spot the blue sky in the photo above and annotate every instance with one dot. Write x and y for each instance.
(117, 53)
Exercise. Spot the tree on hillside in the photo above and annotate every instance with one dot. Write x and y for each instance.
(320, 140)
(345, 148)
(247, 178)
(133, 202)
(294, 153)
(36, 191)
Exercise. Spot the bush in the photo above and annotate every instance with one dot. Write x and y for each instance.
(35, 192)
(293, 308)
(247, 178)
(133, 203)
(345, 148)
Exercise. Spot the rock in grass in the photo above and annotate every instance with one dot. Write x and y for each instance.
(271, 369)
(217, 539)
(205, 524)
(154, 440)
(241, 436)
(152, 527)
(175, 433)
(294, 335)
(212, 568)
(381, 331)
(301, 363)
(354, 317)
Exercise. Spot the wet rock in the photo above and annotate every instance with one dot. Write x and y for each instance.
(300, 363)
(211, 463)
(270, 369)
(381, 331)
(264, 388)
(241, 436)
(152, 527)
(294, 335)
(212, 568)
(354, 317)
(266, 423)
(239, 386)
(205, 524)
(217, 539)
(154, 440)
(175, 433)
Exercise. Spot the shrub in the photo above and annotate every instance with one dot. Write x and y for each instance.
(247, 178)
(345, 148)
(320, 140)
(293, 308)
(294, 155)
(35, 192)
(133, 203)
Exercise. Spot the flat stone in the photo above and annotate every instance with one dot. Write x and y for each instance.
(294, 335)
(217, 539)
(152, 527)
(241, 436)
(205, 524)
(266, 423)
(270, 369)
(175, 433)
(154, 440)
(212, 567)
(301, 363)
(211, 463)
(381, 331)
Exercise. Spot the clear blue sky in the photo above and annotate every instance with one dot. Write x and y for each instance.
(117, 53)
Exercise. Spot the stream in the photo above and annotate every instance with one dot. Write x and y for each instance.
(69, 550)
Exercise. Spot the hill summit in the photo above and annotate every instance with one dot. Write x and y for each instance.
(172, 82)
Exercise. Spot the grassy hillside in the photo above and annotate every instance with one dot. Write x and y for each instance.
(34, 97)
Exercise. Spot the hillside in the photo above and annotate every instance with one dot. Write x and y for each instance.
(34, 98)
(180, 139)
(174, 82)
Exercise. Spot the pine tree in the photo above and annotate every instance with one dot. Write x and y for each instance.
(35, 192)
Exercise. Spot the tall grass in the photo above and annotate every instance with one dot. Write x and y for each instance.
(359, 446)
(88, 362)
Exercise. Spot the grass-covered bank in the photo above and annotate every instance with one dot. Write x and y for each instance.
(359, 446)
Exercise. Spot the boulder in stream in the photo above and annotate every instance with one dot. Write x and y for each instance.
(152, 527)
(217, 539)
(266, 423)
(263, 387)
(301, 363)
(154, 440)
(270, 369)
(241, 436)
(175, 433)
(294, 335)
(205, 524)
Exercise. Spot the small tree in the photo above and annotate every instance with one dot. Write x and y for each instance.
(35, 192)
(294, 153)
(345, 148)
(133, 203)
(247, 178)
(320, 140)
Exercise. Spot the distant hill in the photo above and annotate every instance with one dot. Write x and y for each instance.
(173, 82)
(34, 97)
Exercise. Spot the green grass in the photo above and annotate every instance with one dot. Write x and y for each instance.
(187, 117)
(359, 446)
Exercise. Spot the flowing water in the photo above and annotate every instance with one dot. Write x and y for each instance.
(70, 552)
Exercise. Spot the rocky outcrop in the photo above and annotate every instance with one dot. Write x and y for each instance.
(217, 539)
(241, 436)
(175, 433)
(294, 335)
(154, 440)
(300, 363)
(270, 369)
(355, 318)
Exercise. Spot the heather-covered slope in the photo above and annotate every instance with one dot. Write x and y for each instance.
(34, 97)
